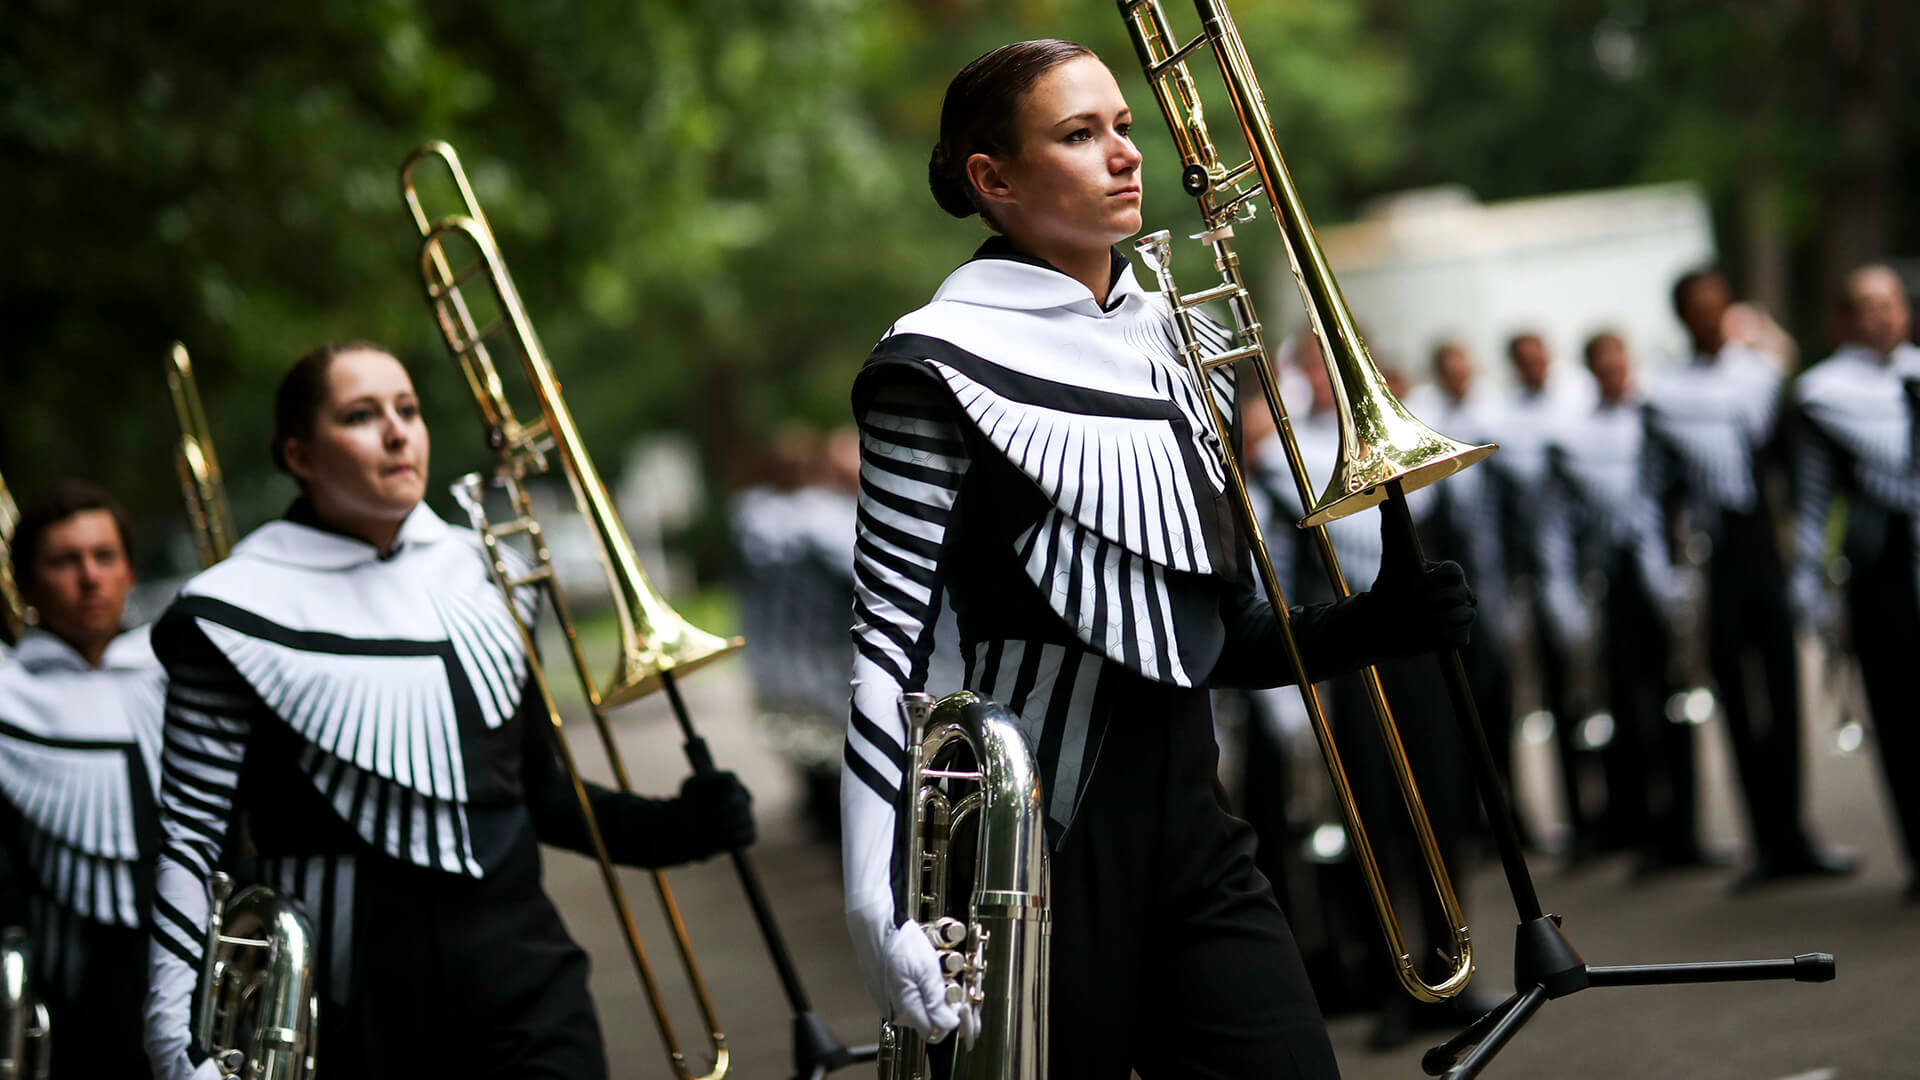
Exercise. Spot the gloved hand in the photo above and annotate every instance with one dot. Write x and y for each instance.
(1411, 611)
(718, 812)
(917, 991)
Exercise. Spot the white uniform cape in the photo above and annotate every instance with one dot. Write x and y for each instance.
(80, 762)
(378, 663)
(1093, 404)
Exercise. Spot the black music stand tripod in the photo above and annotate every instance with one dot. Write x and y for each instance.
(1545, 963)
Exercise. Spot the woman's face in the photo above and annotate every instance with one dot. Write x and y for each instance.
(367, 458)
(1075, 182)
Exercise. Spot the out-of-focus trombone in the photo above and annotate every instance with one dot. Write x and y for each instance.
(656, 645)
(208, 511)
(13, 610)
(1384, 451)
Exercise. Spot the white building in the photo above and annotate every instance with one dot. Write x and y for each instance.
(1436, 265)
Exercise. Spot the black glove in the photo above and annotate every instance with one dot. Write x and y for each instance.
(1414, 607)
(717, 812)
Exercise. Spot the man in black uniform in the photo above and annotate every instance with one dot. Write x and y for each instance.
(1601, 520)
(1856, 414)
(1712, 428)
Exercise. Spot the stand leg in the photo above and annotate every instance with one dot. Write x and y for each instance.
(1807, 967)
(1508, 1025)
(1438, 1060)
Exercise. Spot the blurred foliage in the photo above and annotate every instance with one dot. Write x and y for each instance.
(712, 210)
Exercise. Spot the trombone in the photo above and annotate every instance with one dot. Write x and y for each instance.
(13, 609)
(208, 511)
(1384, 451)
(656, 645)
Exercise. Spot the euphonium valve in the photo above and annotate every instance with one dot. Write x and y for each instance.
(259, 1005)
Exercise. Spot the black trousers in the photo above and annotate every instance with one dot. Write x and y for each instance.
(1170, 955)
(1556, 696)
(1885, 618)
(98, 1019)
(1750, 636)
(1650, 763)
(457, 978)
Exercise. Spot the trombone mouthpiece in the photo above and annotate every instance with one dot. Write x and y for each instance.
(1156, 249)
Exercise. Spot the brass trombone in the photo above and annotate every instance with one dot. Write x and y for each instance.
(200, 482)
(1384, 450)
(13, 609)
(655, 643)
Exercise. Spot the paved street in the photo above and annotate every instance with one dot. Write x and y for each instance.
(1864, 1025)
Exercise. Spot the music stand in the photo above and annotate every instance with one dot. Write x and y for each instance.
(1545, 963)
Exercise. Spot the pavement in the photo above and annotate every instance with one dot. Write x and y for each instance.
(1863, 1026)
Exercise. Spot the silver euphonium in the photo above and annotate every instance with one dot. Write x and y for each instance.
(994, 951)
(259, 1008)
(26, 1031)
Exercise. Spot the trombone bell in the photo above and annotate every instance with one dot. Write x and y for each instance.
(1381, 442)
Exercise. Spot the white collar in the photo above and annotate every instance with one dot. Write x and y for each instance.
(295, 544)
(999, 277)
(41, 651)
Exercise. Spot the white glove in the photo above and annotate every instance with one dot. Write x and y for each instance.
(916, 991)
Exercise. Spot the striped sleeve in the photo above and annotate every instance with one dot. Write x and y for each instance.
(912, 459)
(1814, 472)
(203, 748)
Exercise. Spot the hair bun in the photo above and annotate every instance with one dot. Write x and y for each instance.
(949, 191)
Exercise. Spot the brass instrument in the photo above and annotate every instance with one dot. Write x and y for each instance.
(26, 1030)
(995, 958)
(200, 482)
(1384, 451)
(655, 642)
(257, 1006)
(13, 609)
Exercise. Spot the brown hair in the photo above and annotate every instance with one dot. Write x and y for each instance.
(978, 115)
(68, 497)
(296, 402)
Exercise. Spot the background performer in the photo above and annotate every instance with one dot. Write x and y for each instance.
(1858, 413)
(1034, 450)
(350, 686)
(80, 715)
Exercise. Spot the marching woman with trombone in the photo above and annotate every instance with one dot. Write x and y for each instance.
(1032, 450)
(348, 705)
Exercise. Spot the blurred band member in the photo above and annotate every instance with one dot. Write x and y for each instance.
(1540, 406)
(1712, 431)
(1600, 519)
(348, 697)
(79, 749)
(1857, 412)
(1465, 525)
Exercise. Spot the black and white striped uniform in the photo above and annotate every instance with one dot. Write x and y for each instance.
(1712, 437)
(79, 762)
(1859, 419)
(367, 717)
(1523, 426)
(1599, 519)
(1041, 460)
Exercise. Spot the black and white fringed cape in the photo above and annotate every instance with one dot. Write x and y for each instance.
(309, 675)
(1063, 442)
(79, 764)
(1860, 419)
